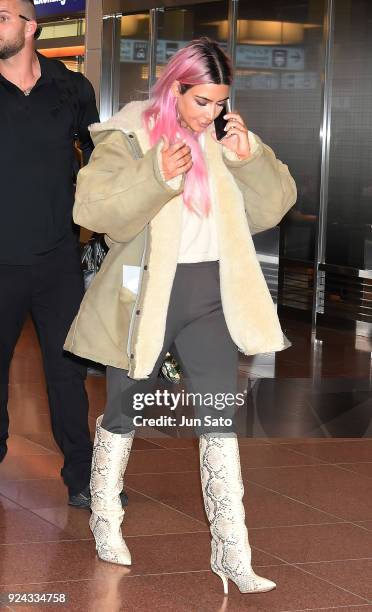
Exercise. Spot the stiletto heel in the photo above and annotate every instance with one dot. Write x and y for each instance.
(225, 583)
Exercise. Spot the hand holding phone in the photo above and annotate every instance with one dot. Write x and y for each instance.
(232, 132)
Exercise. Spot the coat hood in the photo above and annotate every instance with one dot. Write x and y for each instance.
(128, 119)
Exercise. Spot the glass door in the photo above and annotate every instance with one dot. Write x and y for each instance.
(134, 57)
(346, 264)
(279, 65)
(140, 39)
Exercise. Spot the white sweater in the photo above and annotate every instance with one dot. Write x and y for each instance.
(199, 240)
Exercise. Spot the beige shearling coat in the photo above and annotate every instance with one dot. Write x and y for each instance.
(127, 199)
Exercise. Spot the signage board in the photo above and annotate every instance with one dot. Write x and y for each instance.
(247, 56)
(275, 80)
(300, 80)
(257, 81)
(133, 50)
(137, 50)
(261, 56)
(54, 8)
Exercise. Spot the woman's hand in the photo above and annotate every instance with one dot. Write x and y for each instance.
(176, 158)
(236, 138)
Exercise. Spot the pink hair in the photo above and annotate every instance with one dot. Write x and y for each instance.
(197, 63)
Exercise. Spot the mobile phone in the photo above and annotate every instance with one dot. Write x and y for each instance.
(220, 122)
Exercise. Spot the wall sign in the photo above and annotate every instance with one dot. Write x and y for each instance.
(247, 56)
(50, 8)
(276, 80)
(260, 56)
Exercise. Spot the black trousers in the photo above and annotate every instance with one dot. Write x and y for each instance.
(51, 291)
(197, 335)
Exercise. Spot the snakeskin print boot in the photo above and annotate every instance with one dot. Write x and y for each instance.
(223, 491)
(109, 462)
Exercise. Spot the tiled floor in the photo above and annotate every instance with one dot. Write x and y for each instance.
(308, 498)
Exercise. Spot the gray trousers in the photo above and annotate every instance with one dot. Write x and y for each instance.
(197, 336)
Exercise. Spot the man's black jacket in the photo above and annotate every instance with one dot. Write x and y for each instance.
(37, 160)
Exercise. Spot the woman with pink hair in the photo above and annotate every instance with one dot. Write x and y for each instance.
(178, 201)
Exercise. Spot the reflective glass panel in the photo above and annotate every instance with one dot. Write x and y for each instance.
(279, 64)
(177, 27)
(63, 29)
(134, 52)
(349, 216)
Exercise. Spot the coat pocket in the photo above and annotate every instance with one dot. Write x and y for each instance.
(126, 296)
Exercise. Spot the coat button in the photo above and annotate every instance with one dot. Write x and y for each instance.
(138, 312)
(146, 268)
(132, 356)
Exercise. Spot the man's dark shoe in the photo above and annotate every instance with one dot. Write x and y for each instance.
(124, 498)
(3, 450)
(82, 499)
